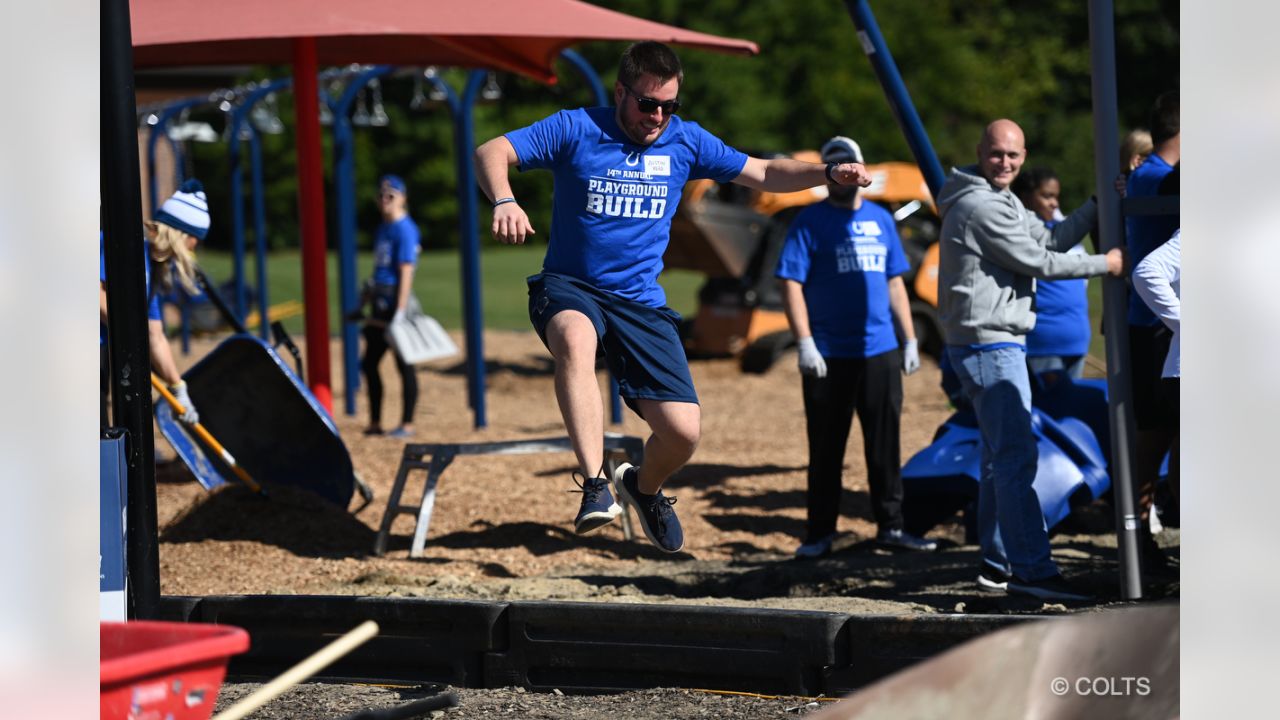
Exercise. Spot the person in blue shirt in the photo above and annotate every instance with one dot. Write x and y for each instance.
(841, 273)
(173, 232)
(395, 257)
(1149, 339)
(1060, 339)
(618, 175)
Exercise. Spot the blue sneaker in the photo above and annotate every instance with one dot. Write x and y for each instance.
(598, 508)
(659, 521)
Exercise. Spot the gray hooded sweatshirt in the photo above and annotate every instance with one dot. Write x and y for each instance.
(992, 249)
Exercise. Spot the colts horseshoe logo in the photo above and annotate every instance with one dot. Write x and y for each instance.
(633, 159)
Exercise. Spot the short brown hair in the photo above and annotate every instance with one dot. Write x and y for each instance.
(649, 58)
(1164, 117)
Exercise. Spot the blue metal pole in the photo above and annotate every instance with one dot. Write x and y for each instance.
(153, 135)
(464, 136)
(237, 216)
(895, 91)
(259, 231)
(344, 186)
(239, 116)
(588, 73)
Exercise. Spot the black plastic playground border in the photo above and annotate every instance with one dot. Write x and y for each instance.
(583, 647)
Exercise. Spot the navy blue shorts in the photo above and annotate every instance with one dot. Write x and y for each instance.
(641, 344)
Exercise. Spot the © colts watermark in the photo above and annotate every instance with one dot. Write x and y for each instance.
(1122, 686)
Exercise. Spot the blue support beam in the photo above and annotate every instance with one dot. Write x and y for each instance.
(344, 185)
(895, 92)
(236, 122)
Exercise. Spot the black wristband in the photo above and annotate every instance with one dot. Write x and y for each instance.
(831, 178)
(503, 201)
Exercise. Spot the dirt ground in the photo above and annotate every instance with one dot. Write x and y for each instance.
(502, 527)
(325, 702)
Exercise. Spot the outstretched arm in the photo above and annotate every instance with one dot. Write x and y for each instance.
(788, 175)
(510, 223)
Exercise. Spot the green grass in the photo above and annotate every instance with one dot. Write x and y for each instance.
(437, 283)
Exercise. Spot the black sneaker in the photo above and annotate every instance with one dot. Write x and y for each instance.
(659, 521)
(992, 579)
(1053, 587)
(904, 540)
(598, 508)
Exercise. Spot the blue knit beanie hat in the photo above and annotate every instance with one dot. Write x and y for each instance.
(187, 210)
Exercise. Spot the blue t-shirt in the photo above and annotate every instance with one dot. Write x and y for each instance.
(1062, 315)
(394, 244)
(1144, 234)
(844, 258)
(614, 199)
(153, 299)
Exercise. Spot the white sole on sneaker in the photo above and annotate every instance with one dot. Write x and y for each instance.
(620, 490)
(596, 520)
(989, 585)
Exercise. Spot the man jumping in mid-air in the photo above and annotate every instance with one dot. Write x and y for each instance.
(618, 177)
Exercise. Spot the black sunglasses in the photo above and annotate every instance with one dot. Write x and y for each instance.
(648, 104)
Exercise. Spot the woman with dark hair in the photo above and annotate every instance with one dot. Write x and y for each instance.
(1060, 340)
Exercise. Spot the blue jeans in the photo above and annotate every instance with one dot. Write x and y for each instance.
(1011, 526)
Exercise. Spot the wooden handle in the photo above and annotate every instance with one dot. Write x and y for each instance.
(204, 435)
(318, 661)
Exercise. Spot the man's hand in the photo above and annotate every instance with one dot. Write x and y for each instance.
(851, 174)
(179, 390)
(399, 316)
(511, 224)
(911, 357)
(811, 362)
(1116, 262)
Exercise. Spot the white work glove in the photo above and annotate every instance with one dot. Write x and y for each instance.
(398, 317)
(190, 417)
(811, 362)
(910, 357)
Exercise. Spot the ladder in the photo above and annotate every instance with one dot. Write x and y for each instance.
(617, 448)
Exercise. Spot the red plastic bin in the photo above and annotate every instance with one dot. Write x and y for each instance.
(164, 670)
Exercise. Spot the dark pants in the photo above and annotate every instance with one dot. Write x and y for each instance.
(872, 387)
(375, 346)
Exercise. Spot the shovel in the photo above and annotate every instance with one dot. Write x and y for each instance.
(204, 436)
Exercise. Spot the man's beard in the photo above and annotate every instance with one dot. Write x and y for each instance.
(843, 194)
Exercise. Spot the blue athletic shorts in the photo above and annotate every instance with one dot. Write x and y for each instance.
(641, 344)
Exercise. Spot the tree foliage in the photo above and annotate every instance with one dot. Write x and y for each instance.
(965, 62)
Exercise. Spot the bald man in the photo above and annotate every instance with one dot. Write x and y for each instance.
(993, 249)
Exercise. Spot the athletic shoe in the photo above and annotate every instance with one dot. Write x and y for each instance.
(400, 433)
(659, 521)
(992, 579)
(816, 549)
(1053, 587)
(598, 508)
(904, 540)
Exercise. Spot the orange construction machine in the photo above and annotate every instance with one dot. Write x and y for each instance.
(734, 235)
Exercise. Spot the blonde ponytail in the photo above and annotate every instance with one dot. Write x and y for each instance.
(169, 251)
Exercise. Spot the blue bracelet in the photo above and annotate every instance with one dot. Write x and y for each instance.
(503, 201)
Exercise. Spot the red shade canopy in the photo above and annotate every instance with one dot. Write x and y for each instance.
(522, 36)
